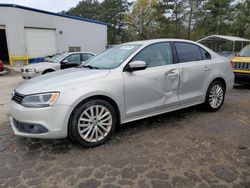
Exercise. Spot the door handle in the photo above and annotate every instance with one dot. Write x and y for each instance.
(206, 69)
(172, 73)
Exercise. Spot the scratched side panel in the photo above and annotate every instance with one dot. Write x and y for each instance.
(149, 90)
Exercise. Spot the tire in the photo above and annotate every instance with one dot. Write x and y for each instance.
(215, 96)
(47, 71)
(88, 130)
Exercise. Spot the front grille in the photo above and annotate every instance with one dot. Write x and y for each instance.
(241, 66)
(17, 97)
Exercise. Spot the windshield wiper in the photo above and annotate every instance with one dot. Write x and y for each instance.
(90, 67)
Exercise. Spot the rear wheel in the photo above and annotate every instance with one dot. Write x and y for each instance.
(92, 123)
(215, 96)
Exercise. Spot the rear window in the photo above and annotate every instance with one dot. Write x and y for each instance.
(188, 52)
(205, 54)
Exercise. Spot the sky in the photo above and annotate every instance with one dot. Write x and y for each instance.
(49, 5)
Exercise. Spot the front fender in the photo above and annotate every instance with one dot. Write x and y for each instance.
(100, 88)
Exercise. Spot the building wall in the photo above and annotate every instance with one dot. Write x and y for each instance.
(89, 36)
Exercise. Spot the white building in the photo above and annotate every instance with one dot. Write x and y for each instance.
(36, 33)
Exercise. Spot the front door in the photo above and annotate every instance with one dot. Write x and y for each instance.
(72, 60)
(156, 88)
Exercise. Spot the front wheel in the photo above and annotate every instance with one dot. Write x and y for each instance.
(215, 96)
(92, 123)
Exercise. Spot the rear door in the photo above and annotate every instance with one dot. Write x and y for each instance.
(155, 88)
(195, 67)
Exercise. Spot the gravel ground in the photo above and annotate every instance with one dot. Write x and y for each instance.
(186, 148)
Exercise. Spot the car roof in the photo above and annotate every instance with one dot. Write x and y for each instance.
(69, 53)
(151, 41)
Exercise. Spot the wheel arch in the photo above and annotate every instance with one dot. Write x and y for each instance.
(220, 79)
(48, 70)
(102, 97)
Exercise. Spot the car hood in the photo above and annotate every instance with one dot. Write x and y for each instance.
(40, 65)
(241, 59)
(56, 81)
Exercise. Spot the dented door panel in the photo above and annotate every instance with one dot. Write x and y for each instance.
(151, 90)
(193, 79)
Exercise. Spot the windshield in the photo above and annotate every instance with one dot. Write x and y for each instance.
(245, 52)
(112, 57)
(58, 58)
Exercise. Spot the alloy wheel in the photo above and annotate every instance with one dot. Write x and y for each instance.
(95, 123)
(216, 96)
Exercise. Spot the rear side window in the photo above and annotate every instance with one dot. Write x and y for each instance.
(188, 52)
(85, 57)
(74, 58)
(205, 54)
(156, 55)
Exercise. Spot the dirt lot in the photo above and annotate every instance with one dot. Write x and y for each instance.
(187, 148)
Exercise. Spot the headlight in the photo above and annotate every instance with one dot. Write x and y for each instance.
(30, 70)
(40, 100)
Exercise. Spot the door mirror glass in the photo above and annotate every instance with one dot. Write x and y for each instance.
(136, 65)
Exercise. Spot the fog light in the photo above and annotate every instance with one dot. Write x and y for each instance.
(30, 128)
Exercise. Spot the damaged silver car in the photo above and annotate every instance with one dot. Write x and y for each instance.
(128, 82)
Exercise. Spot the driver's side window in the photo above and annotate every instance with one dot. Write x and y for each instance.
(156, 55)
(73, 58)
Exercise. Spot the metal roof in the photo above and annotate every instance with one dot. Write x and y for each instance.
(223, 38)
(52, 13)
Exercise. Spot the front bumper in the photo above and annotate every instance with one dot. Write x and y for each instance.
(242, 78)
(54, 119)
(29, 75)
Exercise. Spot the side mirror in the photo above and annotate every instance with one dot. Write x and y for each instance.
(65, 61)
(136, 65)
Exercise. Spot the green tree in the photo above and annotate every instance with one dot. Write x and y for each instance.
(143, 20)
(215, 17)
(86, 9)
(178, 17)
(174, 13)
(164, 11)
(191, 9)
(191, 19)
(113, 12)
(241, 24)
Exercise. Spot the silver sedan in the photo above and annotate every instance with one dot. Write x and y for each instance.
(128, 82)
